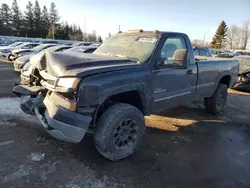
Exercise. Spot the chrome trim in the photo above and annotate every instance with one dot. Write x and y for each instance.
(159, 90)
(205, 85)
(173, 96)
(46, 76)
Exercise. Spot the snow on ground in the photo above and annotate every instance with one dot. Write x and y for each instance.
(10, 108)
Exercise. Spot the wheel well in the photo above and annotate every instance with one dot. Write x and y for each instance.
(225, 80)
(134, 98)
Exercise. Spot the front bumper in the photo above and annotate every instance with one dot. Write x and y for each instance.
(61, 123)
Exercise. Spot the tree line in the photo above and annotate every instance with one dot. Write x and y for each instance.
(233, 37)
(40, 23)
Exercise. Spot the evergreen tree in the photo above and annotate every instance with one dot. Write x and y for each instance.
(5, 16)
(99, 39)
(63, 31)
(75, 33)
(29, 20)
(37, 20)
(54, 19)
(1, 25)
(220, 36)
(16, 19)
(45, 21)
(66, 30)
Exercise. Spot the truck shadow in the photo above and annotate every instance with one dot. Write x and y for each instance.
(183, 125)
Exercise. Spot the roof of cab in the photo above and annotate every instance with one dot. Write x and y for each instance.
(155, 33)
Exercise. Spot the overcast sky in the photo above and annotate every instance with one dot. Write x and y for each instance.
(194, 17)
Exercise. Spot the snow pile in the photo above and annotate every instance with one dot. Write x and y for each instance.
(10, 107)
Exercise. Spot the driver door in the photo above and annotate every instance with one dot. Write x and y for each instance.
(172, 84)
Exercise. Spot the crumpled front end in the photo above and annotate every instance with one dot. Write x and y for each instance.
(54, 103)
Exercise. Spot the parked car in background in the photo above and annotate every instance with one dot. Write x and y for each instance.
(83, 49)
(49, 42)
(5, 51)
(21, 52)
(243, 81)
(109, 92)
(15, 53)
(202, 52)
(226, 54)
(14, 44)
(21, 61)
(82, 44)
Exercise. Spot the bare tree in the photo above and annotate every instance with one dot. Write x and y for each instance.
(245, 33)
(234, 35)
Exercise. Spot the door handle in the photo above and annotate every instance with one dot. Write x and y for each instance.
(190, 71)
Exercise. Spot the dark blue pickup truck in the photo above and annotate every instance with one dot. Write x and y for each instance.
(109, 92)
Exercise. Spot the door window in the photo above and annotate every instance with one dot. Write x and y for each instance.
(27, 46)
(196, 52)
(170, 46)
(203, 53)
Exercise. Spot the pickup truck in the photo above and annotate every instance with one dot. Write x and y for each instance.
(108, 93)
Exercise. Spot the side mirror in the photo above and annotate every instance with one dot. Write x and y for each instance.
(180, 57)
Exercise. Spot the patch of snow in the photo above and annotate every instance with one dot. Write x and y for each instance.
(36, 157)
(10, 107)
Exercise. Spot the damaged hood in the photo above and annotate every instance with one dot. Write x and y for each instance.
(71, 64)
(24, 59)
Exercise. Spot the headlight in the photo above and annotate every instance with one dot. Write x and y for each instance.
(68, 82)
(26, 66)
(248, 75)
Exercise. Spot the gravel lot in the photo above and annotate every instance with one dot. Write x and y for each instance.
(193, 149)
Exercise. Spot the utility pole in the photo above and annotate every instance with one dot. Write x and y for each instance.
(84, 25)
(204, 38)
(53, 31)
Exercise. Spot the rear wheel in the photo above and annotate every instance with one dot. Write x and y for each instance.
(215, 104)
(119, 131)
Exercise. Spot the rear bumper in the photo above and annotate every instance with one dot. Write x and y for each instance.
(61, 123)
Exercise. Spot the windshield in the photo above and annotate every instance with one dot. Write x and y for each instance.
(15, 44)
(41, 47)
(136, 48)
(50, 49)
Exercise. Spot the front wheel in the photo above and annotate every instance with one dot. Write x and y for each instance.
(119, 131)
(10, 57)
(215, 104)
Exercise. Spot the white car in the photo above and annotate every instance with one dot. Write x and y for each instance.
(6, 50)
(23, 48)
